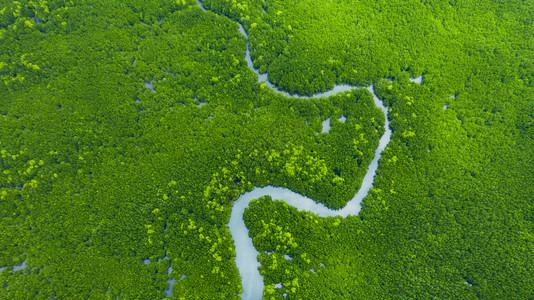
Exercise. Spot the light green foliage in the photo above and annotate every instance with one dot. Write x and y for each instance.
(98, 173)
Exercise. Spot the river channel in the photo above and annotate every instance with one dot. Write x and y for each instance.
(246, 254)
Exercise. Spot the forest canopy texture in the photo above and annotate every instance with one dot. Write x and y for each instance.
(128, 128)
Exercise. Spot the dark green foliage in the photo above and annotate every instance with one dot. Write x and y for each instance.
(100, 172)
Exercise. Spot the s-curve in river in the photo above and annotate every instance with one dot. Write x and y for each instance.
(246, 254)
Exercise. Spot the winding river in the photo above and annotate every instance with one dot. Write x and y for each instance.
(246, 254)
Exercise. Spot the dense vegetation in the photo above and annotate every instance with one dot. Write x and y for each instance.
(309, 45)
(127, 128)
(450, 215)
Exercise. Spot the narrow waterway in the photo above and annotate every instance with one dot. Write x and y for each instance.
(338, 88)
(246, 254)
